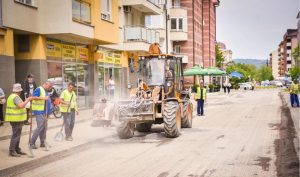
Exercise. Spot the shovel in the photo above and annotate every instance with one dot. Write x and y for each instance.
(30, 132)
(59, 136)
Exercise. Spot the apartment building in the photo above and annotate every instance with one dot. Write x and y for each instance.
(227, 54)
(57, 40)
(273, 63)
(281, 60)
(193, 30)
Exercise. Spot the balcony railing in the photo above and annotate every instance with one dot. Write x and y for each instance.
(155, 2)
(140, 34)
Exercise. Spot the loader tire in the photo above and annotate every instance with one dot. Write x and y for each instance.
(172, 119)
(124, 130)
(187, 118)
(143, 127)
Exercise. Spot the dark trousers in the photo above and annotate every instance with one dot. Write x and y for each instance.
(69, 121)
(294, 98)
(200, 105)
(224, 89)
(1, 113)
(16, 135)
(41, 129)
(228, 89)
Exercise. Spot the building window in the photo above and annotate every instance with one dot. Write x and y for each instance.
(176, 3)
(288, 47)
(288, 40)
(106, 10)
(177, 49)
(177, 24)
(289, 62)
(81, 11)
(23, 43)
(27, 2)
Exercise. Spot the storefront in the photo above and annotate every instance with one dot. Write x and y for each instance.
(66, 63)
(108, 64)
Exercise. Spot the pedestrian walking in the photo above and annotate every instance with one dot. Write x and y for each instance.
(200, 98)
(228, 87)
(16, 115)
(111, 87)
(68, 107)
(2, 102)
(225, 87)
(294, 90)
(28, 87)
(41, 107)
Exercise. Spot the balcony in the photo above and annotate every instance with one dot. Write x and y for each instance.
(136, 38)
(178, 36)
(149, 7)
(185, 57)
(289, 44)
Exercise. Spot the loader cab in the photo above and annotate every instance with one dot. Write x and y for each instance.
(162, 70)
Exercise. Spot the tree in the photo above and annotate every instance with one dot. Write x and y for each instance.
(219, 57)
(295, 70)
(264, 73)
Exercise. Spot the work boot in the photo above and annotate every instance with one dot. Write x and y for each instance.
(42, 145)
(33, 146)
(19, 151)
(69, 138)
(14, 154)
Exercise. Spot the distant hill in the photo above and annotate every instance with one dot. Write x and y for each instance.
(255, 62)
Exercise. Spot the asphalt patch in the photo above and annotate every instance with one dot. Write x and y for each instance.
(287, 162)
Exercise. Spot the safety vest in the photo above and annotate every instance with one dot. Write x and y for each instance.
(198, 93)
(13, 112)
(294, 88)
(66, 95)
(39, 105)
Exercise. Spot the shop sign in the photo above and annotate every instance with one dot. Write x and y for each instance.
(109, 58)
(82, 53)
(53, 49)
(117, 58)
(68, 51)
(99, 56)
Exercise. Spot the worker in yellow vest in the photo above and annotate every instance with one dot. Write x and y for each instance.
(294, 90)
(200, 97)
(16, 114)
(41, 107)
(68, 107)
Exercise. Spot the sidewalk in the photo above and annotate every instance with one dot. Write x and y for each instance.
(83, 133)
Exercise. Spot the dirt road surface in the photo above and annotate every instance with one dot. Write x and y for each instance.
(241, 135)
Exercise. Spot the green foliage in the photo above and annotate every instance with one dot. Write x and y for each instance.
(296, 54)
(295, 72)
(249, 71)
(219, 57)
(264, 73)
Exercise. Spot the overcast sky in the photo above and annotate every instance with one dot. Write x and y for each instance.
(254, 28)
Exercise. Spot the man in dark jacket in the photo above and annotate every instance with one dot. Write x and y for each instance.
(28, 87)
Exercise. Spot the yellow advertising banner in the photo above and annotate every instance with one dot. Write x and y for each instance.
(117, 58)
(99, 56)
(109, 58)
(53, 49)
(68, 51)
(82, 53)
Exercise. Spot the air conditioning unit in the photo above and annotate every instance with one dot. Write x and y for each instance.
(127, 9)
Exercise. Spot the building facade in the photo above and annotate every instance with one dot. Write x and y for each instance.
(227, 54)
(196, 41)
(57, 40)
(273, 63)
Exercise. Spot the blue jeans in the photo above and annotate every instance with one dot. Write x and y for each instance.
(294, 98)
(41, 129)
(69, 121)
(200, 105)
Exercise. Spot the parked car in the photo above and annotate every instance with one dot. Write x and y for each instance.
(278, 84)
(245, 86)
